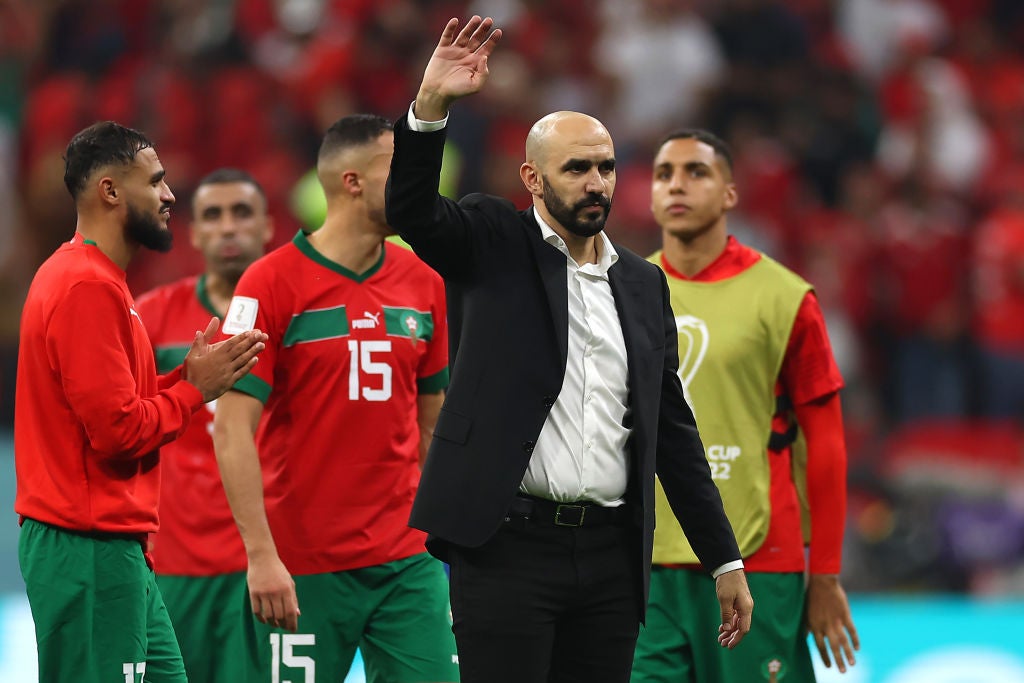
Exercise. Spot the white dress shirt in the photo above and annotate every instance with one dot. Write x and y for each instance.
(581, 451)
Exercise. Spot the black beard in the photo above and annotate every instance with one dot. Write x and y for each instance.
(146, 231)
(569, 216)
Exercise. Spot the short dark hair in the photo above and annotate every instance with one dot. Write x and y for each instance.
(224, 175)
(353, 131)
(101, 144)
(720, 146)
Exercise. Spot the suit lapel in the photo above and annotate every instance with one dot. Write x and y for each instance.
(628, 292)
(551, 264)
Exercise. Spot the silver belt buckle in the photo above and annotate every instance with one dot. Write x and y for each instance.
(565, 508)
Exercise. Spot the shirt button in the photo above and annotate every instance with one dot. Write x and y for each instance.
(528, 447)
(549, 401)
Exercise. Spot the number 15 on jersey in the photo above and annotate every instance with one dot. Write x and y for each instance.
(364, 370)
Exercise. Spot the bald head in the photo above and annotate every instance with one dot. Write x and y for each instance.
(560, 129)
(570, 171)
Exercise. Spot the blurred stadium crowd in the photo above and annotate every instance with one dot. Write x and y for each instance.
(879, 148)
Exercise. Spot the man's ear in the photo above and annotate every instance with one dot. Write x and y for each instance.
(352, 182)
(268, 229)
(531, 179)
(732, 196)
(107, 190)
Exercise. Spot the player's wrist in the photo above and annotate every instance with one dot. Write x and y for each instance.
(264, 551)
(830, 579)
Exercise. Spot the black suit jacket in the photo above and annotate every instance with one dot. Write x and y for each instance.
(508, 324)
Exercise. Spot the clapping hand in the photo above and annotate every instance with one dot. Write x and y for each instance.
(213, 368)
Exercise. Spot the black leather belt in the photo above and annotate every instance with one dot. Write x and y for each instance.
(575, 514)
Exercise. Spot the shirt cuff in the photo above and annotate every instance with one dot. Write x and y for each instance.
(421, 126)
(727, 567)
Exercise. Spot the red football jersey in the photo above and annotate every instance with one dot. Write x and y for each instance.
(90, 412)
(347, 356)
(197, 535)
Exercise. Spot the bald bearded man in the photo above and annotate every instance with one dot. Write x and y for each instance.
(564, 400)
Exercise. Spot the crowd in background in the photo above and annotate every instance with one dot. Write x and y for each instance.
(879, 152)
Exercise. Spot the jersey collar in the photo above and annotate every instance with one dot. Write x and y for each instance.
(733, 260)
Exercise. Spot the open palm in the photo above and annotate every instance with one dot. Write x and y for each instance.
(458, 66)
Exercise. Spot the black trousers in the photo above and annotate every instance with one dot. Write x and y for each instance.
(540, 603)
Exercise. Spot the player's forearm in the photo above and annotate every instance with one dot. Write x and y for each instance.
(822, 424)
(428, 407)
(168, 380)
(240, 472)
(425, 436)
(134, 427)
(100, 383)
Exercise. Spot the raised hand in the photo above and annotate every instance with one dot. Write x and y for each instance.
(458, 66)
